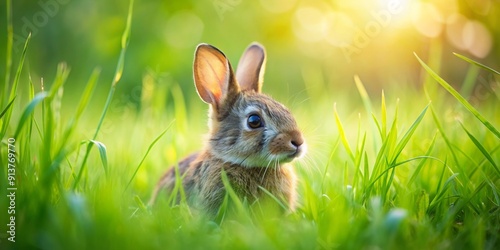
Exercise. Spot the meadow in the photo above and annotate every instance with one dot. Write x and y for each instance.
(414, 164)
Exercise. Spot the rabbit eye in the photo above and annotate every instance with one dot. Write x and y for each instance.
(254, 121)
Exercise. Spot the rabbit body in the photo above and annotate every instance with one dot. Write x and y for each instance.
(252, 137)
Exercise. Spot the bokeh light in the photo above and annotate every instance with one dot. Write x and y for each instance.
(477, 39)
(455, 30)
(427, 19)
(183, 29)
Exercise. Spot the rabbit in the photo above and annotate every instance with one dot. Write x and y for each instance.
(252, 137)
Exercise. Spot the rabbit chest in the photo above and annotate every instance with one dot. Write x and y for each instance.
(204, 183)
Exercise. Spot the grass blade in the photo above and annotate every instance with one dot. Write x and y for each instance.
(87, 93)
(147, 152)
(460, 98)
(481, 148)
(404, 140)
(102, 152)
(342, 132)
(124, 45)
(13, 91)
(8, 106)
(140, 204)
(364, 95)
(469, 81)
(116, 79)
(383, 110)
(28, 110)
(441, 130)
(421, 164)
(232, 194)
(8, 54)
(278, 201)
(476, 63)
(61, 76)
(82, 105)
(441, 192)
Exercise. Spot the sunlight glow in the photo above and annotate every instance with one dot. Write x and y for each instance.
(427, 19)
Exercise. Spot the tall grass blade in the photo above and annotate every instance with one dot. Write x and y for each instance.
(460, 98)
(343, 137)
(87, 94)
(240, 208)
(383, 111)
(278, 201)
(179, 108)
(476, 63)
(441, 192)
(359, 159)
(481, 148)
(325, 172)
(147, 152)
(140, 204)
(447, 141)
(406, 137)
(29, 110)
(103, 153)
(7, 108)
(377, 124)
(178, 188)
(61, 76)
(422, 205)
(364, 95)
(421, 164)
(469, 81)
(26, 139)
(124, 45)
(82, 105)
(390, 141)
(116, 79)
(13, 91)
(8, 52)
(366, 170)
(457, 208)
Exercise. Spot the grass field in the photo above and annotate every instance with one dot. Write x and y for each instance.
(414, 167)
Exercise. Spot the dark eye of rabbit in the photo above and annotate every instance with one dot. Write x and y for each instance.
(254, 121)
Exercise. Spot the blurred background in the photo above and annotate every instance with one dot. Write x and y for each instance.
(332, 40)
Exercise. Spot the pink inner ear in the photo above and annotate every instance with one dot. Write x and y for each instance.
(251, 68)
(215, 93)
(216, 78)
(211, 74)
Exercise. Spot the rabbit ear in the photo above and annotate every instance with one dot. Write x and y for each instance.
(213, 75)
(250, 70)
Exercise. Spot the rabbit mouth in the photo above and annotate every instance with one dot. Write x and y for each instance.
(299, 152)
(268, 159)
(290, 156)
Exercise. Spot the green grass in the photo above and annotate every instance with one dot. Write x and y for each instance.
(401, 174)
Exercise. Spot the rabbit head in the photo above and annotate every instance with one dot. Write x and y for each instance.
(247, 128)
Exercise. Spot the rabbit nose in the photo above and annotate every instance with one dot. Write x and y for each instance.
(290, 143)
(296, 138)
(298, 142)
